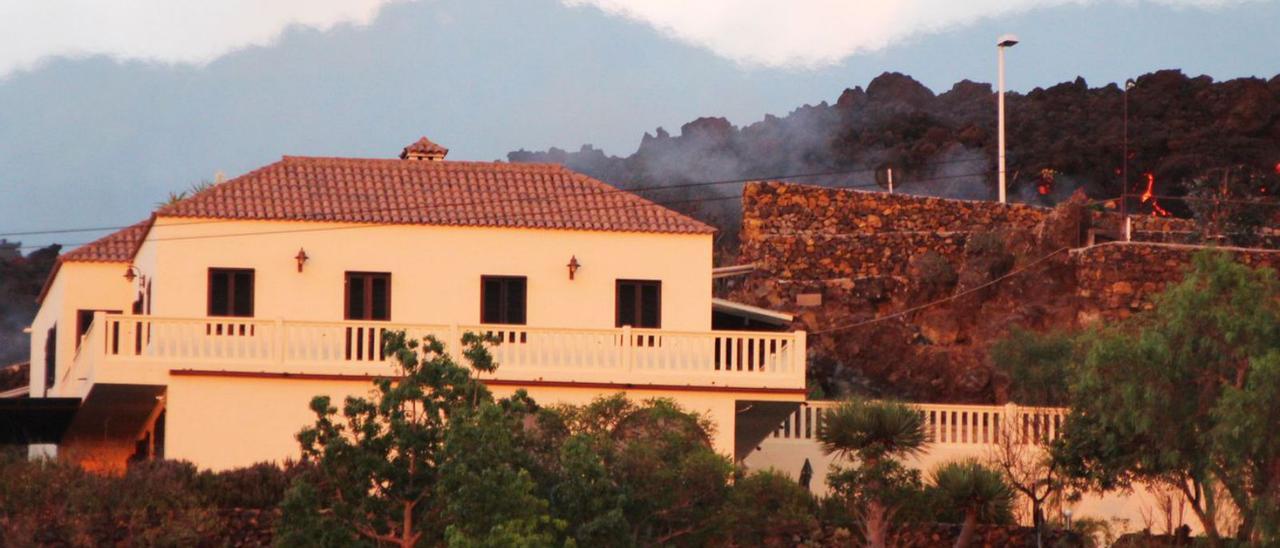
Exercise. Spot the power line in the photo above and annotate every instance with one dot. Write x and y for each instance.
(901, 313)
(612, 190)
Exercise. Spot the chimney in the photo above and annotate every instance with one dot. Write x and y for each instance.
(425, 150)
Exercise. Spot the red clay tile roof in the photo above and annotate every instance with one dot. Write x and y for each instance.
(423, 146)
(117, 247)
(491, 194)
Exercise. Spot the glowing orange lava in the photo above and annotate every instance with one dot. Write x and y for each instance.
(1149, 195)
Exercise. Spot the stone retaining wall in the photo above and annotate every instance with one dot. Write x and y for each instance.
(800, 231)
(1121, 278)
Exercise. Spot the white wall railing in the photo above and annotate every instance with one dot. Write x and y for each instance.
(626, 356)
(949, 424)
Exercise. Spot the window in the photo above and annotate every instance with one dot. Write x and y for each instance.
(639, 303)
(50, 357)
(368, 296)
(231, 292)
(502, 299)
(84, 318)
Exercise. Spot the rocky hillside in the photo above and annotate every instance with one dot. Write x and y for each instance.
(1061, 138)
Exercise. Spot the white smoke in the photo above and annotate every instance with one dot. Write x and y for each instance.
(816, 33)
(171, 31)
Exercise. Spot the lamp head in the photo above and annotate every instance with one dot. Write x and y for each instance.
(1007, 41)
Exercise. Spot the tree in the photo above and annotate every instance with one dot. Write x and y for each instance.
(622, 473)
(1184, 396)
(872, 434)
(1036, 364)
(491, 498)
(979, 492)
(1028, 469)
(376, 472)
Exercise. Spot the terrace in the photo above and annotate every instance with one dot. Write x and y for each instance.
(145, 350)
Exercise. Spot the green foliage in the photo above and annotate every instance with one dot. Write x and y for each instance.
(261, 486)
(1037, 365)
(54, 503)
(429, 455)
(1094, 532)
(767, 509)
(887, 482)
(307, 522)
(968, 486)
(492, 499)
(195, 188)
(874, 434)
(621, 473)
(1246, 438)
(872, 431)
(432, 458)
(1185, 396)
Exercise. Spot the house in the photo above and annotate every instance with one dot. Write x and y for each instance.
(203, 332)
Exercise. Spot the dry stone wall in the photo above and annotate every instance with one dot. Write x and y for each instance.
(807, 232)
(838, 258)
(1117, 279)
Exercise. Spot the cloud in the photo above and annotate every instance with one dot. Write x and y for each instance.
(816, 33)
(174, 31)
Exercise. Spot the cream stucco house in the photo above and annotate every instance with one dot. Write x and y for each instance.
(202, 332)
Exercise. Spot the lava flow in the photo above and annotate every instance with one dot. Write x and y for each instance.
(1149, 195)
(1045, 187)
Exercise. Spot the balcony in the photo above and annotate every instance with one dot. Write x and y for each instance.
(144, 350)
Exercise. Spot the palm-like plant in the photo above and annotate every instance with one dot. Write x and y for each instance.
(974, 488)
(873, 434)
(872, 431)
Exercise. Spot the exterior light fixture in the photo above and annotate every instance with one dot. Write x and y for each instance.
(131, 273)
(573, 265)
(301, 257)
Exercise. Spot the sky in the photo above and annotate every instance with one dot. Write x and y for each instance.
(107, 107)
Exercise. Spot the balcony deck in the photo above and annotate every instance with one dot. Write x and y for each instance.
(124, 349)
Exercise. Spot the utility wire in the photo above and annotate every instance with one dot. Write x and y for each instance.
(901, 313)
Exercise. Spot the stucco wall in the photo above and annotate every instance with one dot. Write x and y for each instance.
(435, 270)
(78, 286)
(224, 422)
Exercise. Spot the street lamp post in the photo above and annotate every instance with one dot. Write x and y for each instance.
(1124, 162)
(1006, 41)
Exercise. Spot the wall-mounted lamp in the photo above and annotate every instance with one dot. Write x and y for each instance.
(301, 257)
(573, 266)
(131, 273)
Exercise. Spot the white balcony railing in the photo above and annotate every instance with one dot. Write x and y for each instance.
(124, 345)
(950, 424)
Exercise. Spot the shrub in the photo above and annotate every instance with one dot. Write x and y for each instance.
(767, 509)
(260, 486)
(934, 273)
